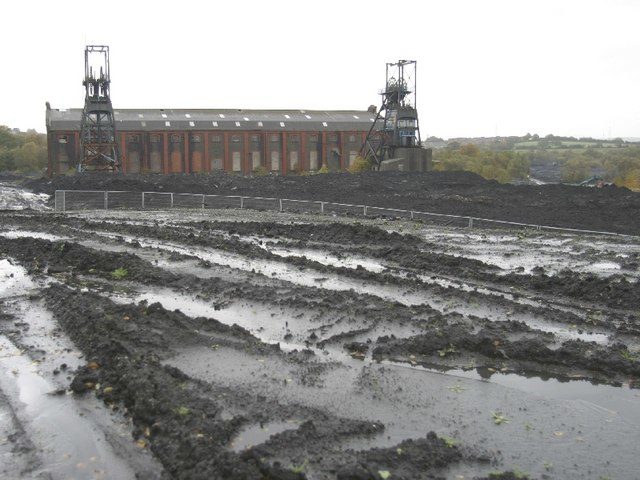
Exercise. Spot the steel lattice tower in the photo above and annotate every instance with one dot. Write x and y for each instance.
(396, 123)
(99, 150)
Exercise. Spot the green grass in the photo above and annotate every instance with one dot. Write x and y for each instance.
(119, 273)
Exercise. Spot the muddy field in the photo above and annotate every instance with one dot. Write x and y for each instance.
(235, 344)
(610, 209)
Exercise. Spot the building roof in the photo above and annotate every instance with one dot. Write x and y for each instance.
(221, 119)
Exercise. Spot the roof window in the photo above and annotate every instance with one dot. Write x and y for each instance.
(221, 115)
(237, 124)
(192, 124)
(287, 116)
(282, 124)
(164, 115)
(215, 124)
(188, 115)
(260, 124)
(167, 124)
(324, 124)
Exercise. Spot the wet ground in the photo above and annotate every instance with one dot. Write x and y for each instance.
(239, 344)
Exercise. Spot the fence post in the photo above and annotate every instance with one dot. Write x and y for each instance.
(365, 210)
(280, 201)
(411, 214)
(321, 207)
(171, 200)
(203, 201)
(470, 222)
(142, 200)
(106, 200)
(241, 203)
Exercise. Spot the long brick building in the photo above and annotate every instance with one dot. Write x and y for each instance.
(185, 141)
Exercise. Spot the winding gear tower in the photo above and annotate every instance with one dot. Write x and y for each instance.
(396, 123)
(99, 150)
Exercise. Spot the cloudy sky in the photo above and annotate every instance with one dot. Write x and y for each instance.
(484, 67)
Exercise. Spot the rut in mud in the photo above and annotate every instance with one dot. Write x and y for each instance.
(285, 346)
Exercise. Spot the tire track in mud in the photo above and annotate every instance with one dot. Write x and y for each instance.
(417, 281)
(63, 256)
(66, 257)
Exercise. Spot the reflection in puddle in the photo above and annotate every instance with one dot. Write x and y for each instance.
(70, 446)
(623, 401)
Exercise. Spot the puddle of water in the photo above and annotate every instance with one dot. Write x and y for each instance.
(67, 443)
(328, 259)
(268, 324)
(13, 280)
(563, 333)
(456, 407)
(12, 198)
(280, 271)
(257, 434)
(31, 234)
(623, 401)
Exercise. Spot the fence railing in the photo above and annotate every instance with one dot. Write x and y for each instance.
(72, 200)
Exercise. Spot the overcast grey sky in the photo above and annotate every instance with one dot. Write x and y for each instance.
(509, 67)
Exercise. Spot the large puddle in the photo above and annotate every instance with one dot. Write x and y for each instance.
(273, 324)
(12, 198)
(68, 442)
(69, 446)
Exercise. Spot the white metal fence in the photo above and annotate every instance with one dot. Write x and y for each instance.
(72, 200)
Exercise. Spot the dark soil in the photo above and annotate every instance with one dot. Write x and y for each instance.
(461, 193)
(443, 333)
(179, 418)
(190, 425)
(493, 346)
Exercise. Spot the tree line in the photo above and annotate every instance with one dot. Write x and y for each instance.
(503, 166)
(620, 165)
(24, 152)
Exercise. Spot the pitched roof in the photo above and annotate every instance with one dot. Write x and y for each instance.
(221, 119)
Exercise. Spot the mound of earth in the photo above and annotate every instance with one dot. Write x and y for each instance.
(461, 193)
